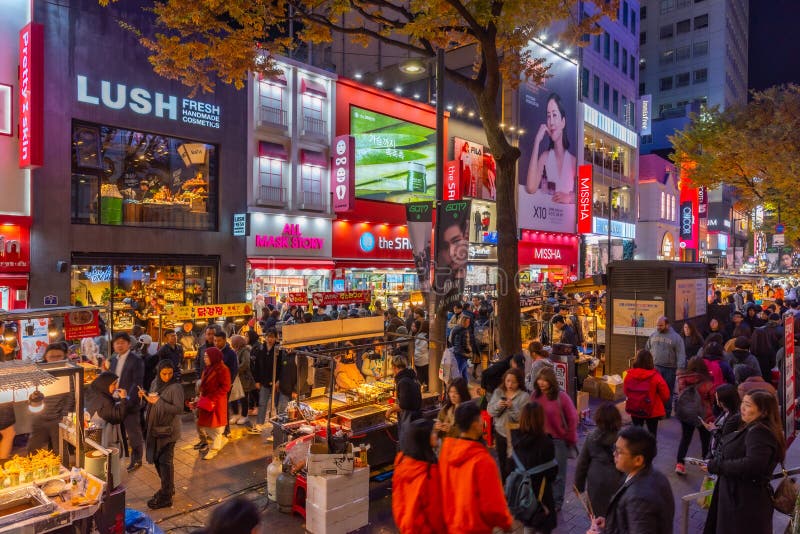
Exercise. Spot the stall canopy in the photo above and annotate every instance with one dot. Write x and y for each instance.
(319, 333)
(40, 313)
(595, 283)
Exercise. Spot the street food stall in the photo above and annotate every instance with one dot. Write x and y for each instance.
(355, 415)
(44, 491)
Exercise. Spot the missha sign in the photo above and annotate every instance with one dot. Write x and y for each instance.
(143, 101)
(297, 237)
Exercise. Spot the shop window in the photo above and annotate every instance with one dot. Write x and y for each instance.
(605, 95)
(270, 181)
(142, 294)
(596, 89)
(683, 52)
(606, 45)
(615, 102)
(643, 38)
(134, 178)
(632, 71)
(665, 84)
(667, 57)
(271, 106)
(314, 96)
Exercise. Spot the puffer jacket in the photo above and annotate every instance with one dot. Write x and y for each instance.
(659, 391)
(471, 481)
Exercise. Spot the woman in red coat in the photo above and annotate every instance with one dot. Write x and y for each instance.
(416, 483)
(646, 392)
(212, 407)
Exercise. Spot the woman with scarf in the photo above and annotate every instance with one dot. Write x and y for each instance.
(212, 405)
(164, 407)
(416, 491)
(107, 407)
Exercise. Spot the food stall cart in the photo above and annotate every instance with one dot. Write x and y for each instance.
(39, 493)
(358, 415)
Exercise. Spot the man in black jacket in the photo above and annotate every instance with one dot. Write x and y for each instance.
(408, 395)
(765, 342)
(171, 351)
(128, 365)
(263, 367)
(644, 503)
(568, 335)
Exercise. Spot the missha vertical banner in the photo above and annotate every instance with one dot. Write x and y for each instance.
(452, 250)
(419, 216)
(585, 199)
(343, 173)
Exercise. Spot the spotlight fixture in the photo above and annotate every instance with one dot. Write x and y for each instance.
(460, 109)
(36, 401)
(449, 107)
(412, 67)
(358, 75)
(542, 37)
(379, 83)
(471, 114)
(555, 45)
(416, 95)
(398, 89)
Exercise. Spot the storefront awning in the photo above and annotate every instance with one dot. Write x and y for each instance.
(286, 263)
(280, 79)
(314, 88)
(315, 159)
(272, 150)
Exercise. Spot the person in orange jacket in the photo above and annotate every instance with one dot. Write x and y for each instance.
(474, 499)
(416, 483)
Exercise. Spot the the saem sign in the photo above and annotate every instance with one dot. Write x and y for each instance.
(142, 101)
(452, 181)
(585, 199)
(31, 95)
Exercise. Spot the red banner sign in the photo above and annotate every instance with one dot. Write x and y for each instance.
(81, 324)
(223, 310)
(343, 173)
(15, 248)
(452, 181)
(585, 199)
(31, 94)
(789, 384)
(341, 298)
(297, 299)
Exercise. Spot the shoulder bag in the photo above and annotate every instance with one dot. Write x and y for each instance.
(785, 495)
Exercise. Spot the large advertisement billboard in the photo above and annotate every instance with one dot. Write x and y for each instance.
(477, 169)
(548, 164)
(395, 159)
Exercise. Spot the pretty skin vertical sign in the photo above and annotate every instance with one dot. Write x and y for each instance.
(31, 96)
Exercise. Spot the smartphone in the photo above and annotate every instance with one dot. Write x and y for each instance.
(702, 421)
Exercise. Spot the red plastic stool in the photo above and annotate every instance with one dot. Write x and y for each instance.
(300, 491)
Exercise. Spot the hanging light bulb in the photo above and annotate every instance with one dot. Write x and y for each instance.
(36, 401)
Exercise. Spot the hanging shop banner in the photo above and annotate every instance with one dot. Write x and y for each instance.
(34, 338)
(371, 241)
(81, 323)
(452, 181)
(548, 112)
(223, 310)
(636, 317)
(31, 96)
(452, 249)
(15, 248)
(297, 299)
(341, 298)
(790, 387)
(690, 298)
(686, 220)
(477, 169)
(419, 217)
(585, 199)
(343, 173)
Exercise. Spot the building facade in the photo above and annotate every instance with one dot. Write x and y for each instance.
(657, 227)
(133, 203)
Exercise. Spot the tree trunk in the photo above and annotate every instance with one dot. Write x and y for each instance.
(506, 156)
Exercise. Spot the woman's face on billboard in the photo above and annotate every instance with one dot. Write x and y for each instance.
(555, 121)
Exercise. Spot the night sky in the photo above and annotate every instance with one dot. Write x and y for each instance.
(774, 50)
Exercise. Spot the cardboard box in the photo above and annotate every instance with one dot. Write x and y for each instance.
(339, 520)
(319, 462)
(611, 392)
(332, 491)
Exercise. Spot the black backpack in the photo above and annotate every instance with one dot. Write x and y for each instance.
(523, 501)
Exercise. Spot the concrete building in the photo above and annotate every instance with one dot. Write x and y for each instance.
(693, 50)
(657, 228)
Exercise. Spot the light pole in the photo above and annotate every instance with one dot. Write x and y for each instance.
(611, 189)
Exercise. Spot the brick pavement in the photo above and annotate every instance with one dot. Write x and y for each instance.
(241, 467)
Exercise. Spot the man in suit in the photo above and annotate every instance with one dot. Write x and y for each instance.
(644, 503)
(128, 365)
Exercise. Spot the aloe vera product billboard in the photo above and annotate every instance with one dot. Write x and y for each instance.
(395, 159)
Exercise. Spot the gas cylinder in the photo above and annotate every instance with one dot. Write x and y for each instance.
(284, 491)
(273, 472)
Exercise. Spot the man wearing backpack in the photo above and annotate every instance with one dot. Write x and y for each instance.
(669, 355)
(471, 487)
(644, 503)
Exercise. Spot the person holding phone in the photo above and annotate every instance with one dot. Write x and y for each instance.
(694, 383)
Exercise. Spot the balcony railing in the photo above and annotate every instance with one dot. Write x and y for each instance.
(273, 116)
(600, 209)
(312, 201)
(269, 195)
(313, 126)
(604, 161)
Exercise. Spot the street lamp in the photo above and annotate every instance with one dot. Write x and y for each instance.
(611, 190)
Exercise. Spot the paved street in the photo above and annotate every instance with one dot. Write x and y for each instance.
(241, 468)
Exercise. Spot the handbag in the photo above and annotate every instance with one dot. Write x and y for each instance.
(237, 391)
(785, 495)
(206, 404)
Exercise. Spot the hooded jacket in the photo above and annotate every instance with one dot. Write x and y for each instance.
(658, 388)
(416, 484)
(165, 412)
(215, 384)
(742, 358)
(471, 481)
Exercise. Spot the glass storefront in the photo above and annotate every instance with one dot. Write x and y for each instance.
(133, 178)
(139, 293)
(273, 284)
(385, 284)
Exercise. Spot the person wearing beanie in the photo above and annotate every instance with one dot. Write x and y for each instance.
(212, 405)
(742, 358)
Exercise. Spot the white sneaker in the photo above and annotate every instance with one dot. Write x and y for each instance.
(255, 429)
(210, 455)
(242, 421)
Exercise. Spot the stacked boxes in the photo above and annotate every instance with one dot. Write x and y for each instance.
(337, 504)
